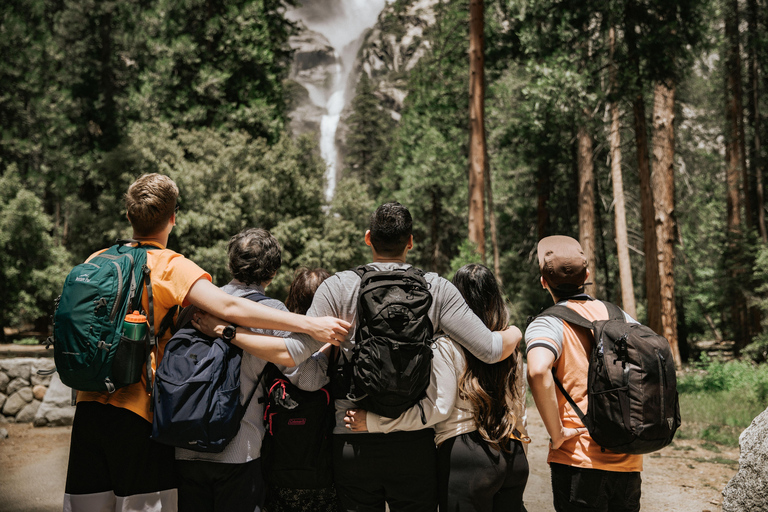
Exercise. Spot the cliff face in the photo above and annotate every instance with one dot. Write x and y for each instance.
(394, 46)
(314, 67)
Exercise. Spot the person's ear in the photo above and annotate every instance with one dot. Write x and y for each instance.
(409, 245)
(368, 237)
(543, 282)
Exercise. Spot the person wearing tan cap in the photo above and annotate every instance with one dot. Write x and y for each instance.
(584, 475)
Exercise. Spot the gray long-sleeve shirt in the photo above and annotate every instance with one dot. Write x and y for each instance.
(337, 297)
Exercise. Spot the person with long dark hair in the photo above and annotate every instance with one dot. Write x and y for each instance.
(477, 411)
(482, 464)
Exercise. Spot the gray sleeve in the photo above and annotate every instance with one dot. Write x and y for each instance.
(458, 321)
(310, 375)
(302, 346)
(275, 304)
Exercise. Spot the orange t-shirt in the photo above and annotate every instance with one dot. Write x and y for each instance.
(572, 346)
(172, 275)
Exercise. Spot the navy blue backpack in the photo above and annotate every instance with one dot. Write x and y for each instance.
(197, 391)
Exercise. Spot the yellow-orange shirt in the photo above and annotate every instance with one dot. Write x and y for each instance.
(171, 275)
(572, 346)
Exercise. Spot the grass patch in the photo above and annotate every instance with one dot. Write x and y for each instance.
(718, 400)
(26, 341)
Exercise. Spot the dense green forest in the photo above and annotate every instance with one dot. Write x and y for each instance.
(660, 96)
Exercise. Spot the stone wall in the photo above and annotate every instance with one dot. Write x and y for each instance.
(26, 396)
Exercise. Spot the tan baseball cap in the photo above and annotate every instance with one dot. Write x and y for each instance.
(562, 263)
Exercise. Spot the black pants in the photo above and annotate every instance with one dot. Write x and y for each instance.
(217, 487)
(473, 477)
(398, 468)
(581, 489)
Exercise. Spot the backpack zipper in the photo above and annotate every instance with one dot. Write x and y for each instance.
(119, 291)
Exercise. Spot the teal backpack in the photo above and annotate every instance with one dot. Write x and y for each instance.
(89, 350)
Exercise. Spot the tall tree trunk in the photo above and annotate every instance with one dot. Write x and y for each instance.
(652, 281)
(733, 174)
(586, 169)
(755, 159)
(619, 208)
(476, 127)
(663, 183)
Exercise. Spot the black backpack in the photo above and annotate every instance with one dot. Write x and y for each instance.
(296, 450)
(632, 389)
(391, 361)
(197, 391)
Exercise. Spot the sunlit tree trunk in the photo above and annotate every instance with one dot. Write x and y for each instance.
(586, 169)
(620, 214)
(652, 281)
(476, 127)
(663, 183)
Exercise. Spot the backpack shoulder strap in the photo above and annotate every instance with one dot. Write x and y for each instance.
(256, 296)
(360, 270)
(567, 315)
(614, 311)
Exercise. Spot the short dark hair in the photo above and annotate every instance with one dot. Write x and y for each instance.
(391, 229)
(150, 203)
(255, 256)
(302, 291)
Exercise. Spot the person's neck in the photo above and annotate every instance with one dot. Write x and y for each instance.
(159, 239)
(389, 259)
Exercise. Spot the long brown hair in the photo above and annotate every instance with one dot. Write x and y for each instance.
(490, 388)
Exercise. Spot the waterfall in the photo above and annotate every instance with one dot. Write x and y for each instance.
(342, 23)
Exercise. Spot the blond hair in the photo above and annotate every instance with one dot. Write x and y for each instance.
(150, 202)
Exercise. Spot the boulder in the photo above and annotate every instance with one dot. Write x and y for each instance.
(748, 489)
(27, 414)
(17, 401)
(16, 384)
(4, 380)
(3, 433)
(3, 398)
(57, 408)
(39, 392)
(18, 367)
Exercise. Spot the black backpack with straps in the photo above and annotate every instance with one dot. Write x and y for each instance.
(391, 361)
(632, 388)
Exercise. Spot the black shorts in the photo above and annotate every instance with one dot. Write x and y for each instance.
(111, 454)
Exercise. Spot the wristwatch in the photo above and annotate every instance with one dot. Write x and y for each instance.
(229, 333)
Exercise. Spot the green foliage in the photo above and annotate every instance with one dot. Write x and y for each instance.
(367, 144)
(32, 266)
(719, 399)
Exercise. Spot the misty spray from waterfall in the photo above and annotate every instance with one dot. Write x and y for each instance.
(343, 23)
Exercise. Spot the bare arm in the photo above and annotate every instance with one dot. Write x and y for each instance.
(511, 337)
(240, 311)
(542, 383)
(269, 348)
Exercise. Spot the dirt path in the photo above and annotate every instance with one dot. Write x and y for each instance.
(686, 477)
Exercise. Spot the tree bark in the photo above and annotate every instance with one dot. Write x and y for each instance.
(476, 127)
(733, 175)
(647, 209)
(755, 159)
(619, 207)
(586, 169)
(663, 183)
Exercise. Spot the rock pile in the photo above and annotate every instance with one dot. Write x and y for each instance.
(26, 396)
(748, 490)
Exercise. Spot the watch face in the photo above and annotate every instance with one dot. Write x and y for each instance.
(229, 332)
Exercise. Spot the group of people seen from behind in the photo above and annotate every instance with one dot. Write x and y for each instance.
(462, 447)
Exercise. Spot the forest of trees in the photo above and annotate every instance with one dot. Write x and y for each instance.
(632, 125)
